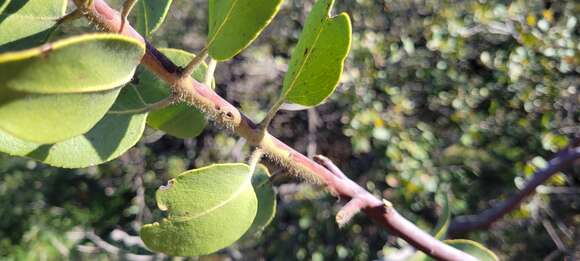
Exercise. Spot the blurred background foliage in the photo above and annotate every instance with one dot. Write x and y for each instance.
(464, 98)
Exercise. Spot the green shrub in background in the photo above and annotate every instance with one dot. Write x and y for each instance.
(464, 98)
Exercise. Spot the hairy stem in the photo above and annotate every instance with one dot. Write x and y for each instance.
(229, 117)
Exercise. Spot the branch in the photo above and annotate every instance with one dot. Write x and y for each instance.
(563, 159)
(104, 245)
(228, 116)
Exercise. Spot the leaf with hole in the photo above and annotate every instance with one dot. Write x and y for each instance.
(208, 209)
(266, 201)
(150, 15)
(27, 23)
(234, 24)
(318, 58)
(49, 94)
(113, 135)
(179, 120)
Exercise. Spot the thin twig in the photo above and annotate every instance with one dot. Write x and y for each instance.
(562, 160)
(554, 236)
(104, 245)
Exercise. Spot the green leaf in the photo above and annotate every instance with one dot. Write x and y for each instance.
(61, 90)
(266, 200)
(179, 120)
(108, 139)
(86, 63)
(234, 24)
(208, 209)
(473, 248)
(150, 15)
(52, 118)
(27, 23)
(317, 61)
(443, 224)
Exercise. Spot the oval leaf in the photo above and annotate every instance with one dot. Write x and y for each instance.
(179, 120)
(266, 200)
(50, 95)
(150, 15)
(234, 24)
(317, 60)
(108, 61)
(208, 209)
(108, 139)
(27, 23)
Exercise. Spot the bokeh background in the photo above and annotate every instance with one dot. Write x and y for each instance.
(458, 98)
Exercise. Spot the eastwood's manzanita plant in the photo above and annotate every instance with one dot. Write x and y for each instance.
(71, 103)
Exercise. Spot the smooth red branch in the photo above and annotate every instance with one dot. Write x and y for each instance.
(562, 160)
(229, 117)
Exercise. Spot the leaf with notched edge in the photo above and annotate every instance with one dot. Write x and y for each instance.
(207, 209)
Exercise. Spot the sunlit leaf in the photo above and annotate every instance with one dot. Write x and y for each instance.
(27, 23)
(108, 139)
(86, 63)
(234, 24)
(266, 200)
(208, 209)
(61, 90)
(150, 15)
(317, 61)
(179, 120)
